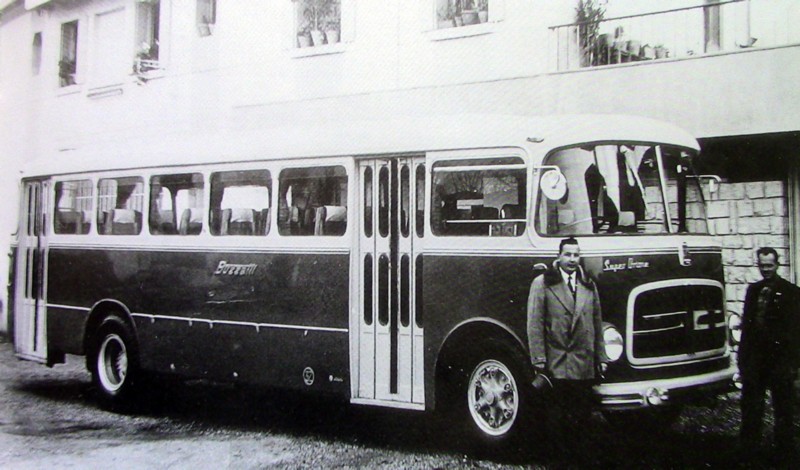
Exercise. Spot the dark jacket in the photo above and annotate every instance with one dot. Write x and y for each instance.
(565, 334)
(775, 342)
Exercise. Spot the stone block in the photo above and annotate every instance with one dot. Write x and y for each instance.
(721, 226)
(762, 207)
(754, 190)
(775, 189)
(743, 258)
(728, 257)
(733, 242)
(780, 207)
(774, 241)
(752, 225)
(735, 307)
(734, 275)
(744, 208)
(719, 209)
(780, 225)
(731, 191)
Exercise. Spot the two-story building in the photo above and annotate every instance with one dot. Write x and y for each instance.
(77, 73)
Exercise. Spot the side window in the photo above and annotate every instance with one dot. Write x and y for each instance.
(119, 205)
(240, 202)
(313, 201)
(206, 16)
(458, 13)
(483, 197)
(176, 204)
(73, 207)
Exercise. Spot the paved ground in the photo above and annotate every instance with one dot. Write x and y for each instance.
(49, 419)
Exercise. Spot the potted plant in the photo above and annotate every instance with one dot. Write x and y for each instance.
(304, 35)
(315, 12)
(66, 72)
(332, 30)
(446, 16)
(661, 51)
(483, 11)
(469, 14)
(588, 15)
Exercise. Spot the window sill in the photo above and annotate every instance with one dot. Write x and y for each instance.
(326, 49)
(69, 90)
(457, 32)
(103, 91)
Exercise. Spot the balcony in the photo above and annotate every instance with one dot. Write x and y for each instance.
(706, 29)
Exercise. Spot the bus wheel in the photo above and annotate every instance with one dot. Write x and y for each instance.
(114, 364)
(496, 400)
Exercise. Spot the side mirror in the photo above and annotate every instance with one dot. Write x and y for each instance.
(553, 185)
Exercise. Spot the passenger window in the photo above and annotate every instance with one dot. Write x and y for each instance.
(176, 204)
(240, 203)
(73, 213)
(481, 197)
(313, 201)
(420, 199)
(119, 205)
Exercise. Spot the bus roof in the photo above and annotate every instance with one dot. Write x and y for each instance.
(398, 135)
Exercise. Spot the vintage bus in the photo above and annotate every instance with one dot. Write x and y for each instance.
(386, 263)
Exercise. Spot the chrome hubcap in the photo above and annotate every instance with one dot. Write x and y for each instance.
(112, 363)
(493, 397)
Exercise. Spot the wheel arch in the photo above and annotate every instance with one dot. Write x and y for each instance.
(467, 338)
(99, 312)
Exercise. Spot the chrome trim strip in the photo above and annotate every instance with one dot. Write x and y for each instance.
(204, 248)
(388, 404)
(69, 307)
(257, 326)
(658, 330)
(631, 388)
(659, 315)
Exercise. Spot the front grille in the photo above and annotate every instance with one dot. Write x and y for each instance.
(671, 321)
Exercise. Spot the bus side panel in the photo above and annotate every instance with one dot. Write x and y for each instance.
(11, 292)
(255, 318)
(459, 288)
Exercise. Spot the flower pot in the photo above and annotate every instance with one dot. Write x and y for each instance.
(459, 21)
(648, 52)
(483, 16)
(634, 47)
(317, 37)
(442, 24)
(661, 52)
(303, 40)
(469, 17)
(332, 36)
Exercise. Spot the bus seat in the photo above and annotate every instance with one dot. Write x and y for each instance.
(238, 221)
(566, 217)
(68, 221)
(627, 219)
(319, 220)
(165, 222)
(488, 213)
(330, 220)
(262, 221)
(511, 211)
(86, 218)
(191, 221)
(124, 222)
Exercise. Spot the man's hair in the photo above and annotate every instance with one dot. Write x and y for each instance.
(567, 241)
(767, 250)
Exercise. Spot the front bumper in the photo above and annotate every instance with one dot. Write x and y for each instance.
(635, 395)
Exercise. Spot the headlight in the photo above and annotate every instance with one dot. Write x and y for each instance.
(615, 346)
(735, 327)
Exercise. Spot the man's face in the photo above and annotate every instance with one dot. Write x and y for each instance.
(767, 265)
(569, 258)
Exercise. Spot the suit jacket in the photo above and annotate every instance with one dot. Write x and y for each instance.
(776, 342)
(565, 333)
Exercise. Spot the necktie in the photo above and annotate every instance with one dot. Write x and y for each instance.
(571, 283)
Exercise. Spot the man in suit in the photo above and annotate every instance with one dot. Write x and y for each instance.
(769, 354)
(565, 337)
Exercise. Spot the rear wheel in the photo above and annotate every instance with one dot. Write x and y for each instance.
(114, 364)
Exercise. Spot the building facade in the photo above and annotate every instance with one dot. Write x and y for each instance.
(77, 73)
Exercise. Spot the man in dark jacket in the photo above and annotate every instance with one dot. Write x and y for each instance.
(769, 354)
(565, 337)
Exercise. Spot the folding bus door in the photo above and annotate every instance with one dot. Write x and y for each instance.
(30, 323)
(390, 337)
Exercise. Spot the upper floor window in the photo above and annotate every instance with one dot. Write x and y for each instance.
(453, 13)
(483, 197)
(68, 59)
(36, 54)
(148, 24)
(318, 22)
(206, 16)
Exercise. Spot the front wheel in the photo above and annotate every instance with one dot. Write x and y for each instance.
(114, 365)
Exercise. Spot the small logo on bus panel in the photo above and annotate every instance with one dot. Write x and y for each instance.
(308, 376)
(630, 263)
(230, 269)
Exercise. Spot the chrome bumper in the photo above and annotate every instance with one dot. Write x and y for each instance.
(632, 395)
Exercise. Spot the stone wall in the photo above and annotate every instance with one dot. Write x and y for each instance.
(747, 216)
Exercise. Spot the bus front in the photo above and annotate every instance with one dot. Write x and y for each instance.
(640, 213)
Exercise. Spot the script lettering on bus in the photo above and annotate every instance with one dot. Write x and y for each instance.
(630, 263)
(235, 269)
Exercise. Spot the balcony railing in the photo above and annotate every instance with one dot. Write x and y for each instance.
(712, 27)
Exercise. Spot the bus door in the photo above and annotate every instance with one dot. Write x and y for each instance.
(390, 334)
(30, 323)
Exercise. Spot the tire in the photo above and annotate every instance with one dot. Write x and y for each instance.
(494, 403)
(114, 364)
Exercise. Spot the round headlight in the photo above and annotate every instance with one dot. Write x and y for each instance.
(615, 346)
(735, 327)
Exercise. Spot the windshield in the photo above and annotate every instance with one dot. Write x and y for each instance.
(620, 188)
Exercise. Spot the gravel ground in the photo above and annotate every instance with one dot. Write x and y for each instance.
(49, 419)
